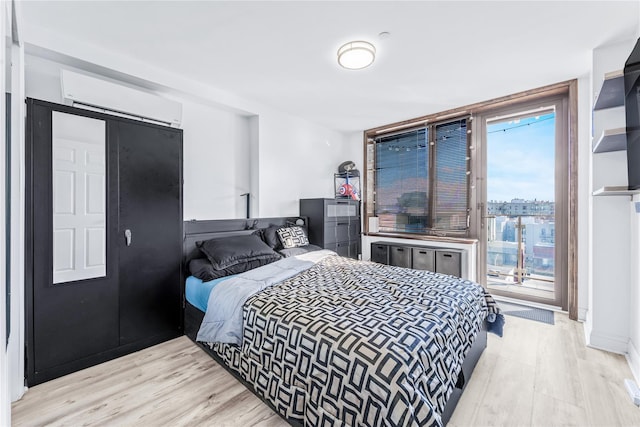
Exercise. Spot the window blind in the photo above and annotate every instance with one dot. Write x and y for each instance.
(402, 182)
(451, 179)
(421, 181)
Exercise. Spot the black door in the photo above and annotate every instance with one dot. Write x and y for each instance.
(150, 235)
(69, 323)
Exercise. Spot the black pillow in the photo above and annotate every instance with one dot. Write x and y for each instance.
(270, 236)
(203, 270)
(228, 251)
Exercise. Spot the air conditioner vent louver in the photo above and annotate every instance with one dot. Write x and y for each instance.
(85, 91)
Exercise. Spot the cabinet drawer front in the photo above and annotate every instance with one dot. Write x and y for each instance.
(335, 210)
(423, 259)
(448, 263)
(380, 253)
(341, 230)
(400, 256)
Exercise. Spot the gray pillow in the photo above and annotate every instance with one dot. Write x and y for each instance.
(228, 251)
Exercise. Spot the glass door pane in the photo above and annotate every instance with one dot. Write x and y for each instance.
(520, 205)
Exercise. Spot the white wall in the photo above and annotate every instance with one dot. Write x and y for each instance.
(217, 163)
(18, 111)
(13, 65)
(634, 293)
(608, 318)
(5, 407)
(584, 194)
(297, 160)
(633, 354)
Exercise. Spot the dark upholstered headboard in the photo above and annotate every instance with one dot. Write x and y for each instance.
(195, 231)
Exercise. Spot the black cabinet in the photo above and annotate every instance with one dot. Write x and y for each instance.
(334, 224)
(448, 262)
(82, 319)
(380, 253)
(400, 256)
(423, 259)
(445, 261)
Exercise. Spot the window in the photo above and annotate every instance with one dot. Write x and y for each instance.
(426, 177)
(418, 180)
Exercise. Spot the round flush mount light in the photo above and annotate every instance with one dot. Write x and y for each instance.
(356, 55)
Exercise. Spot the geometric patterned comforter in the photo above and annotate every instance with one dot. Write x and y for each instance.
(359, 343)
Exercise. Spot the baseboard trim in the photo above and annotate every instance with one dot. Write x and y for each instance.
(612, 343)
(582, 314)
(633, 359)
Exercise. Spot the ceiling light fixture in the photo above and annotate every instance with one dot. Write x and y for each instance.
(356, 55)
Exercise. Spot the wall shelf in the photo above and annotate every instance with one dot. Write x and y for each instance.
(611, 140)
(612, 91)
(616, 190)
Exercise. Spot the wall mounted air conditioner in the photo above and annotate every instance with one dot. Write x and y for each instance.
(88, 92)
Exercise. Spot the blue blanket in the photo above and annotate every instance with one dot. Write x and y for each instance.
(223, 319)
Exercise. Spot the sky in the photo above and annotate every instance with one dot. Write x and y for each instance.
(521, 159)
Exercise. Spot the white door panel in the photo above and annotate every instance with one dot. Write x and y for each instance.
(64, 183)
(79, 195)
(64, 241)
(95, 196)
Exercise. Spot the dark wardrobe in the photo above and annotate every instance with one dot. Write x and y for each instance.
(103, 237)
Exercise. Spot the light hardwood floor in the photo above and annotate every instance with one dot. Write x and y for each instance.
(536, 375)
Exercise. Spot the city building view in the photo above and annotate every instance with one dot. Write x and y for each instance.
(520, 243)
(520, 212)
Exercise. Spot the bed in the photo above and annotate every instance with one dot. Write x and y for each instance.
(328, 340)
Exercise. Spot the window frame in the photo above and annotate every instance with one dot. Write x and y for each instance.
(370, 138)
(560, 104)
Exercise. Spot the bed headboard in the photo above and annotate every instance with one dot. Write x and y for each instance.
(195, 231)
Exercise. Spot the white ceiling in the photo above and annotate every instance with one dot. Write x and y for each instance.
(440, 55)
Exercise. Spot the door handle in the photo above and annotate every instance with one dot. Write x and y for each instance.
(127, 236)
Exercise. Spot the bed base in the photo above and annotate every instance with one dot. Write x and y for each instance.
(193, 319)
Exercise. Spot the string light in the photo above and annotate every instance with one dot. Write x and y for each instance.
(443, 132)
(523, 125)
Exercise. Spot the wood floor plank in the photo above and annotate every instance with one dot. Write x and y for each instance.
(536, 375)
(469, 403)
(610, 404)
(556, 373)
(506, 401)
(549, 411)
(513, 346)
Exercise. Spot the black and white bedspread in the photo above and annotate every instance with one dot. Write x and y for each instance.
(355, 343)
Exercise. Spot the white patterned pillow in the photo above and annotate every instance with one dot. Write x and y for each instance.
(292, 237)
